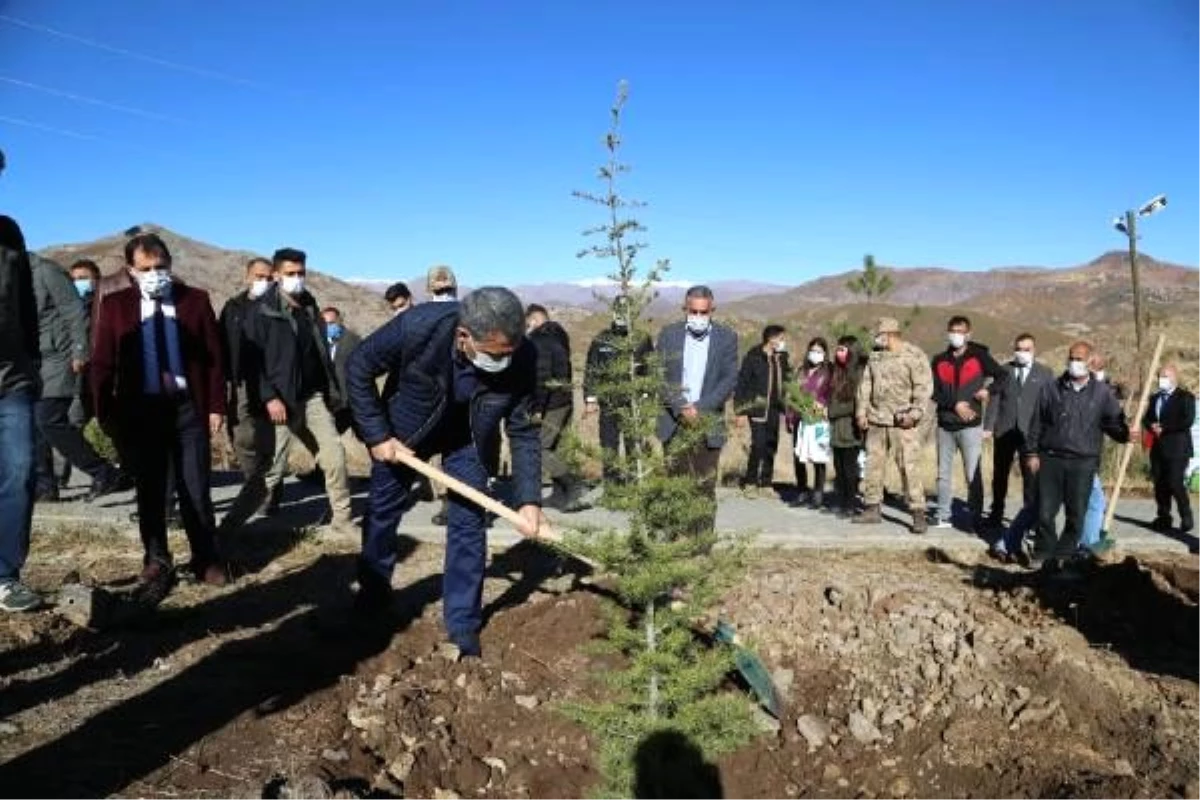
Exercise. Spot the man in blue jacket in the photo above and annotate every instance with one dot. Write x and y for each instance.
(455, 372)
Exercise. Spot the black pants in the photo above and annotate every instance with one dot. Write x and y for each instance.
(1062, 483)
(610, 442)
(845, 477)
(1006, 449)
(1168, 474)
(55, 432)
(802, 476)
(164, 433)
(700, 463)
(764, 441)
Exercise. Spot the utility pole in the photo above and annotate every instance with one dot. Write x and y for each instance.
(1138, 320)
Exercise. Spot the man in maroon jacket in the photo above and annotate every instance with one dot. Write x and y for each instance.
(159, 390)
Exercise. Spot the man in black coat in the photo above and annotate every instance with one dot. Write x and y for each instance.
(1169, 421)
(759, 398)
(553, 404)
(342, 342)
(604, 356)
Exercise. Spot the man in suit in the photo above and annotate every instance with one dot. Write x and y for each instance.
(159, 389)
(700, 363)
(455, 373)
(1169, 420)
(1006, 421)
(342, 342)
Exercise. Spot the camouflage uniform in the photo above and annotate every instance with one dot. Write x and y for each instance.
(894, 385)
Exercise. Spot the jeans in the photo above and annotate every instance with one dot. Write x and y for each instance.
(17, 481)
(466, 536)
(1093, 520)
(969, 442)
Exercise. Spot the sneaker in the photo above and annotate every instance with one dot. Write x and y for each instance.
(16, 596)
(943, 524)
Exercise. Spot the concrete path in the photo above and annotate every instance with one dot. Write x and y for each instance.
(772, 522)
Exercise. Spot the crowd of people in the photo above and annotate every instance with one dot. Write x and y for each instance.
(144, 354)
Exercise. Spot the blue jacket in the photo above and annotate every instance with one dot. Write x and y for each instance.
(720, 379)
(415, 350)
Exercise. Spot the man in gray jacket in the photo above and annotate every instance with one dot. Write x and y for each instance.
(1007, 420)
(63, 327)
(18, 391)
(700, 364)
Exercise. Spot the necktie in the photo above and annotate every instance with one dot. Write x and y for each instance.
(161, 349)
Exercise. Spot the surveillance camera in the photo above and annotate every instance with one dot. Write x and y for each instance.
(1155, 204)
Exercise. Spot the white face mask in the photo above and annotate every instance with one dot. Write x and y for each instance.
(444, 297)
(881, 341)
(154, 284)
(259, 287)
(1099, 375)
(292, 284)
(698, 324)
(956, 339)
(816, 357)
(1077, 368)
(779, 347)
(489, 363)
(1166, 385)
(1023, 357)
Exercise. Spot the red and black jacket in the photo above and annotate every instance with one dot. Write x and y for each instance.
(958, 378)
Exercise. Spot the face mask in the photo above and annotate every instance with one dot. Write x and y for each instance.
(841, 356)
(489, 363)
(1077, 368)
(779, 347)
(1099, 375)
(956, 340)
(881, 341)
(620, 326)
(84, 287)
(1166, 385)
(292, 284)
(445, 297)
(816, 357)
(153, 284)
(697, 324)
(258, 288)
(1023, 357)
(333, 331)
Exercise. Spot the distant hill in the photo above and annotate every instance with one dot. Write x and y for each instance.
(221, 273)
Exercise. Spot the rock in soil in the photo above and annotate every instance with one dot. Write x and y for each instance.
(526, 701)
(862, 728)
(814, 730)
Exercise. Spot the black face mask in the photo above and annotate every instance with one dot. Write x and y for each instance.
(620, 328)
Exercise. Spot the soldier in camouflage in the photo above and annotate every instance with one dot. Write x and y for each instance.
(895, 391)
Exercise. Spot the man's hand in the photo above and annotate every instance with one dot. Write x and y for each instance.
(863, 424)
(1033, 462)
(78, 365)
(215, 423)
(982, 395)
(690, 413)
(987, 434)
(590, 407)
(1155, 428)
(964, 411)
(277, 411)
(532, 520)
(389, 451)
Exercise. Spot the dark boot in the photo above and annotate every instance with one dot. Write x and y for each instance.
(869, 516)
(573, 491)
(818, 500)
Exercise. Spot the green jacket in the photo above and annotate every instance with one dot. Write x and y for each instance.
(62, 327)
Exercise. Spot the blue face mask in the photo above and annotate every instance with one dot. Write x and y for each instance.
(333, 331)
(84, 287)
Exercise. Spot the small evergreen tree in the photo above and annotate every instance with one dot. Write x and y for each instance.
(872, 283)
(664, 576)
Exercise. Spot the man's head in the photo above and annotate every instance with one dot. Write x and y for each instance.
(1168, 377)
(398, 297)
(491, 324)
(535, 317)
(887, 333)
(333, 322)
(289, 267)
(1082, 358)
(441, 283)
(1024, 349)
(149, 262)
(258, 276)
(774, 339)
(85, 274)
(699, 305)
(958, 331)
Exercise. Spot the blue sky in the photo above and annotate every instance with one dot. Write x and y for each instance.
(773, 140)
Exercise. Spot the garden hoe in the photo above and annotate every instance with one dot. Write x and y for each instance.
(749, 665)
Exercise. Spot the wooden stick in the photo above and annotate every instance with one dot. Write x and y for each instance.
(1127, 453)
(545, 534)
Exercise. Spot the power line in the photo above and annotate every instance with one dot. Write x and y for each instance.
(79, 98)
(25, 123)
(121, 51)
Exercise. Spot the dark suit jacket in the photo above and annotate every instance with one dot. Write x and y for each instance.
(341, 356)
(720, 378)
(1178, 416)
(115, 374)
(1013, 406)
